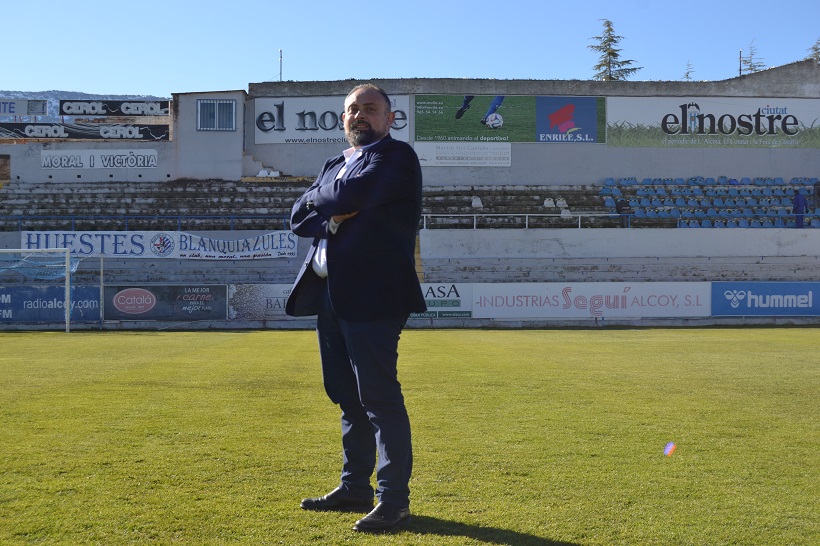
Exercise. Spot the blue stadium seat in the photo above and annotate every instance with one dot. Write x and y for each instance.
(743, 223)
(693, 224)
(609, 202)
(815, 223)
(719, 224)
(706, 223)
(731, 224)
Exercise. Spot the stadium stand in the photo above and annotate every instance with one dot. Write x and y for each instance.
(713, 202)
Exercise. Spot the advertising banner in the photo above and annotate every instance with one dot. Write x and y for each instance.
(447, 300)
(98, 159)
(46, 304)
(114, 108)
(464, 154)
(17, 107)
(591, 300)
(315, 120)
(161, 244)
(765, 299)
(181, 302)
(713, 122)
(257, 301)
(487, 118)
(477, 130)
(84, 131)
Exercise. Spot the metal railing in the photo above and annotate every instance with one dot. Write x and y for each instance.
(526, 217)
(178, 219)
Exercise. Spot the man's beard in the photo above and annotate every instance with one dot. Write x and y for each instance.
(361, 137)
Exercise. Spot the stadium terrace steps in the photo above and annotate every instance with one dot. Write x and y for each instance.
(216, 204)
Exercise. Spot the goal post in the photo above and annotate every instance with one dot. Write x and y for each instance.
(43, 264)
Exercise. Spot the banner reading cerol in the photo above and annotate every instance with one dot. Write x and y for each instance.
(162, 244)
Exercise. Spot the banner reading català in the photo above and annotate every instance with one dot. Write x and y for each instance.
(713, 122)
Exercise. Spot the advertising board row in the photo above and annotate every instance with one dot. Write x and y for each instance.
(431, 121)
(501, 301)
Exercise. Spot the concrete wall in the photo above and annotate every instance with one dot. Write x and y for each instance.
(619, 255)
(617, 243)
(25, 161)
(207, 154)
(569, 163)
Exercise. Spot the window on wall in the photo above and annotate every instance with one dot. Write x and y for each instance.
(216, 115)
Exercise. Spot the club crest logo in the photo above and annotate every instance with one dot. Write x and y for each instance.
(735, 297)
(162, 245)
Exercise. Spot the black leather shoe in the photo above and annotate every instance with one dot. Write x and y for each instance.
(338, 499)
(384, 516)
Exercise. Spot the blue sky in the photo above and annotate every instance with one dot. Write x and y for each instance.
(155, 47)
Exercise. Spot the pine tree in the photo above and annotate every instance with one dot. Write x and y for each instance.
(689, 69)
(610, 67)
(750, 62)
(815, 51)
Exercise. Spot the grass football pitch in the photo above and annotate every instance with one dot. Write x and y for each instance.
(521, 437)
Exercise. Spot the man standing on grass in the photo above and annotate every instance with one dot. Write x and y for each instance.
(359, 277)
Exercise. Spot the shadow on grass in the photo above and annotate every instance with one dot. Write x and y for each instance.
(426, 525)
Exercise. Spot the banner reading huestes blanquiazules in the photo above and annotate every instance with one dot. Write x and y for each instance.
(164, 244)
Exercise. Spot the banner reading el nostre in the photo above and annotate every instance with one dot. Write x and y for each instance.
(164, 244)
(452, 130)
(315, 120)
(713, 122)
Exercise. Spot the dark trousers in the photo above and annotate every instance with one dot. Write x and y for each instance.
(359, 370)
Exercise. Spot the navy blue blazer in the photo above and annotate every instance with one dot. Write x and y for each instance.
(370, 258)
